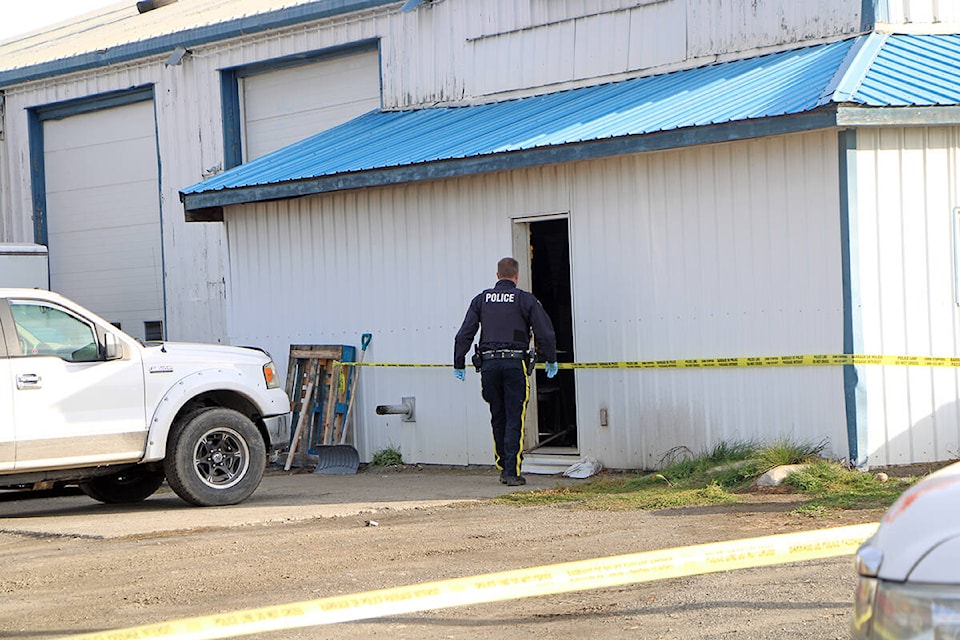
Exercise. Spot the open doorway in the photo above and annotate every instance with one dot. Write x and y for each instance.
(545, 243)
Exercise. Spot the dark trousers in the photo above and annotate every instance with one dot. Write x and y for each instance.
(506, 389)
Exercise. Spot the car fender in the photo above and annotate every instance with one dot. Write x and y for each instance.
(189, 387)
(939, 565)
(923, 518)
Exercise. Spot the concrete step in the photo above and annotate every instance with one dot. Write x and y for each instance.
(548, 463)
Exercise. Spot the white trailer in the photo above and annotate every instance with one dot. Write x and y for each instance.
(24, 265)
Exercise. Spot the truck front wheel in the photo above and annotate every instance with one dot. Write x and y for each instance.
(130, 485)
(215, 457)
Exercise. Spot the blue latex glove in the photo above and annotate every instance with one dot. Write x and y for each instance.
(459, 374)
(551, 368)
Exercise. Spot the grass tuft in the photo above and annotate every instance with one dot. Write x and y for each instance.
(387, 457)
(831, 486)
(720, 476)
(784, 452)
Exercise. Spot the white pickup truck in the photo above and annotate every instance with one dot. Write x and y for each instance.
(83, 403)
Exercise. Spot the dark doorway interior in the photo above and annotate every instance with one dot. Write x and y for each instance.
(550, 283)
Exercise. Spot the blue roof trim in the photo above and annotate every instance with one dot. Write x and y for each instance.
(206, 206)
(188, 38)
(781, 92)
(851, 72)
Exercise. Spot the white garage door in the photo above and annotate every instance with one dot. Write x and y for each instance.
(284, 106)
(103, 214)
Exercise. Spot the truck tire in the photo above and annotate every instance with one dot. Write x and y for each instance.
(135, 484)
(215, 457)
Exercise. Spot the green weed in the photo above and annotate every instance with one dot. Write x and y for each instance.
(831, 486)
(387, 457)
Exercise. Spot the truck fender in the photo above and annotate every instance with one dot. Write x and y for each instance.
(180, 393)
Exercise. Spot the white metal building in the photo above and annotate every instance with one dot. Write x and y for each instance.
(815, 228)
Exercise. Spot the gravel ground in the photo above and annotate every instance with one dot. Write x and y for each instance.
(70, 565)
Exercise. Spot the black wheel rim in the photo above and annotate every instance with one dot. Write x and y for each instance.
(221, 458)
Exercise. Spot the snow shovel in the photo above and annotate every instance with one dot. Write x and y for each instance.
(343, 459)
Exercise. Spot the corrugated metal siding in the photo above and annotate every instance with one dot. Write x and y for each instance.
(715, 27)
(917, 11)
(719, 251)
(907, 186)
(572, 43)
(746, 263)
(469, 51)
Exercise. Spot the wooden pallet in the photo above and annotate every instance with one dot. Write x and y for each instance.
(317, 386)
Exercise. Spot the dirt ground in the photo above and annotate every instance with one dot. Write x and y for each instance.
(70, 565)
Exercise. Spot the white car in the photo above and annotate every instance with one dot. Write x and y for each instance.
(908, 582)
(83, 403)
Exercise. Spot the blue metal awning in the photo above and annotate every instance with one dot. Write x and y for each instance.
(802, 89)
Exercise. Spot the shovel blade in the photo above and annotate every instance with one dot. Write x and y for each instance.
(337, 459)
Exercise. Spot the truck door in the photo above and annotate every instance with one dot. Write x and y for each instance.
(70, 408)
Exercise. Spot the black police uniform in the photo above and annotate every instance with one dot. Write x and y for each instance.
(505, 314)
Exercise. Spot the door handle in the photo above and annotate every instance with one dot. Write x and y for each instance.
(28, 381)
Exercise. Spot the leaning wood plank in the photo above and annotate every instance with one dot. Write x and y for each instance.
(304, 410)
(330, 408)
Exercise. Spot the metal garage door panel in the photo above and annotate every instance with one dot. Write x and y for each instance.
(284, 106)
(103, 213)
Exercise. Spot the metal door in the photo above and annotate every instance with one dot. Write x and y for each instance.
(284, 106)
(103, 213)
(542, 246)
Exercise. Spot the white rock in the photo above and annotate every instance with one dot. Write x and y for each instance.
(776, 476)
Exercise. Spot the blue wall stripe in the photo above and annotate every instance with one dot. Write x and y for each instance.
(88, 104)
(868, 15)
(38, 179)
(232, 120)
(163, 251)
(854, 393)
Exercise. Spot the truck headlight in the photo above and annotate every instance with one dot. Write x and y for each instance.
(270, 376)
(905, 611)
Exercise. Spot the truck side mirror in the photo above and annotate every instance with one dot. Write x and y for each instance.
(112, 348)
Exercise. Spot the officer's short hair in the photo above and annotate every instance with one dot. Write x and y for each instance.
(508, 268)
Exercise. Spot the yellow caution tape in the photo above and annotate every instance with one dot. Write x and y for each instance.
(713, 363)
(507, 585)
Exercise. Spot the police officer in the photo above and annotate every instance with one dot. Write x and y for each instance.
(506, 315)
